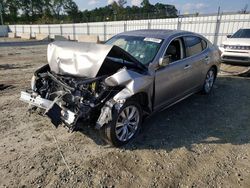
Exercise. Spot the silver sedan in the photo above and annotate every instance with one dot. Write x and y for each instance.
(116, 84)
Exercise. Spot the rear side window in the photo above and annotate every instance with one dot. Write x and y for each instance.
(204, 44)
(194, 45)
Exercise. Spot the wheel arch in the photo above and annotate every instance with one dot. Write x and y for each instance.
(216, 69)
(143, 99)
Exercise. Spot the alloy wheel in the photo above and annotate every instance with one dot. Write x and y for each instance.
(209, 80)
(127, 123)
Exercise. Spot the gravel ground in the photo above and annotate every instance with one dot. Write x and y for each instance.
(200, 142)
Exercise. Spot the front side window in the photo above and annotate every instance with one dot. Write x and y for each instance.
(242, 33)
(142, 48)
(194, 45)
(174, 51)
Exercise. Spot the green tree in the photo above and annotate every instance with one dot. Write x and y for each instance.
(57, 7)
(71, 8)
(10, 10)
(57, 11)
(121, 3)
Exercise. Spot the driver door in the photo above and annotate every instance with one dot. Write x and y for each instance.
(171, 80)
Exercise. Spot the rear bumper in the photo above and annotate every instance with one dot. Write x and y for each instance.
(54, 111)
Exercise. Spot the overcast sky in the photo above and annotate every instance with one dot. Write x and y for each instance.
(191, 6)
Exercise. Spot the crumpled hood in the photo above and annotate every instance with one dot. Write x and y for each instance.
(77, 58)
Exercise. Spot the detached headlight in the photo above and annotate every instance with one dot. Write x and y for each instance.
(33, 83)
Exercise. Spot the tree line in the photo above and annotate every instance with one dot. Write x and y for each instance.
(67, 11)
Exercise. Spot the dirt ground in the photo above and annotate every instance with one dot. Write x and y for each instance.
(200, 142)
(2, 39)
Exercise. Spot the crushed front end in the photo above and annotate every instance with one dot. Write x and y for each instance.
(65, 99)
(85, 81)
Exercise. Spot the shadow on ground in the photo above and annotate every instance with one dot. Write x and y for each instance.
(13, 66)
(221, 117)
(24, 43)
(4, 86)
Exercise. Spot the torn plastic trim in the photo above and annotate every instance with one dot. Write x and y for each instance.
(116, 102)
(107, 112)
(33, 83)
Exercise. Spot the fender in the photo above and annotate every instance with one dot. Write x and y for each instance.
(133, 83)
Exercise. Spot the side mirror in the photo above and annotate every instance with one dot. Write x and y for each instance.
(164, 61)
(229, 36)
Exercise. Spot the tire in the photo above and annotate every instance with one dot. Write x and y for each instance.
(117, 133)
(209, 81)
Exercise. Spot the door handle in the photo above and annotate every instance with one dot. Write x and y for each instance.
(187, 67)
(207, 58)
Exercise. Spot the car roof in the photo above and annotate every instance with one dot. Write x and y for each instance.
(155, 33)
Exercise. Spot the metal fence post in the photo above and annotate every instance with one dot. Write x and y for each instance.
(179, 20)
(61, 29)
(39, 29)
(149, 24)
(30, 30)
(74, 31)
(49, 30)
(88, 29)
(105, 32)
(217, 27)
(125, 26)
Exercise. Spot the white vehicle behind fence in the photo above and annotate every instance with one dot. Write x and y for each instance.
(236, 49)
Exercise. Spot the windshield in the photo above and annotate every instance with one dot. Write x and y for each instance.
(142, 48)
(242, 33)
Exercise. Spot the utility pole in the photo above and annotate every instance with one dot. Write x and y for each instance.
(1, 15)
(218, 12)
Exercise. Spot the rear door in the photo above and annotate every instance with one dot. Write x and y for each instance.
(197, 56)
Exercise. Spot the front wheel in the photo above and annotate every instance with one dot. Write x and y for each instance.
(124, 126)
(209, 81)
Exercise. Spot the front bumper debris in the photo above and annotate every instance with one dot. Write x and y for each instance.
(55, 112)
(35, 100)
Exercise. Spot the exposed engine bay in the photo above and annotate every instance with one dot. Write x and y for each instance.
(79, 97)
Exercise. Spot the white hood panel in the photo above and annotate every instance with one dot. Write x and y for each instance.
(237, 42)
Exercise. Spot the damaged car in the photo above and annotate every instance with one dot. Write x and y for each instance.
(115, 85)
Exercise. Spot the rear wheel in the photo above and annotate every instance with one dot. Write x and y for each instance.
(209, 81)
(124, 126)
